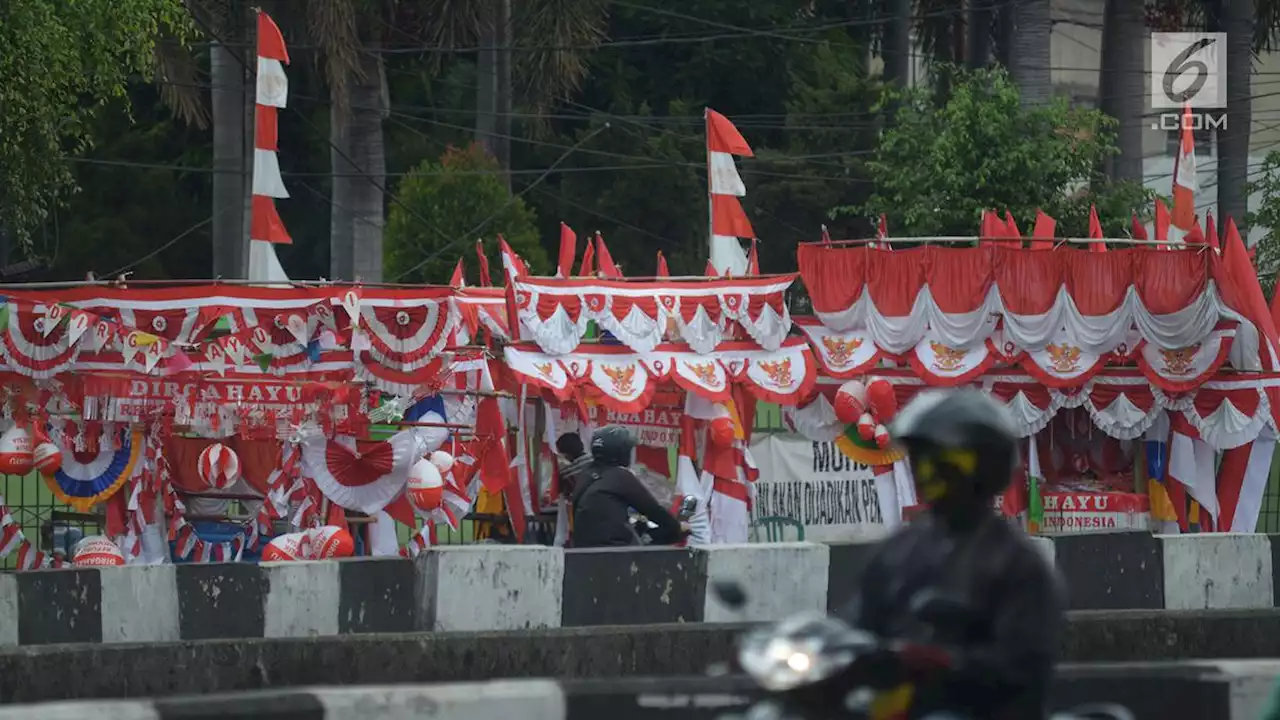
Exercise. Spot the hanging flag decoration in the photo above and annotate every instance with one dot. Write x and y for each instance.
(1185, 185)
(725, 186)
(272, 95)
(88, 478)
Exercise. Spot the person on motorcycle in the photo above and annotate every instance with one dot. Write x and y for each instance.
(970, 610)
(606, 490)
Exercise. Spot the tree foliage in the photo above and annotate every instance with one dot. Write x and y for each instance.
(943, 163)
(442, 207)
(1267, 184)
(59, 63)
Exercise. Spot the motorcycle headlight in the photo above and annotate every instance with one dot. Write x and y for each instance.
(781, 663)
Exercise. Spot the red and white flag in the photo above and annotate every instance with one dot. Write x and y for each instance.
(1185, 185)
(272, 94)
(692, 483)
(265, 226)
(1191, 463)
(728, 221)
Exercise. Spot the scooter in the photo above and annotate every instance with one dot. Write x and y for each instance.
(644, 527)
(800, 663)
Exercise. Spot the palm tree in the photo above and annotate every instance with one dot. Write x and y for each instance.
(357, 107)
(1029, 51)
(1236, 19)
(1122, 83)
(227, 22)
(549, 39)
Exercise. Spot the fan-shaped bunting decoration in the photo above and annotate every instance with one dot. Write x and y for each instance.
(37, 341)
(366, 479)
(88, 478)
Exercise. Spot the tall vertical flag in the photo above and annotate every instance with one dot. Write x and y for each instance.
(1184, 181)
(272, 94)
(724, 187)
(568, 251)
(265, 227)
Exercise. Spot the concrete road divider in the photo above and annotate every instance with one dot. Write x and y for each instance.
(503, 587)
(523, 699)
(1171, 691)
(122, 670)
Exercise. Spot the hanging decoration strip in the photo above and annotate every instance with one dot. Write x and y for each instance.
(87, 478)
(1063, 312)
(626, 381)
(1227, 412)
(643, 314)
(12, 539)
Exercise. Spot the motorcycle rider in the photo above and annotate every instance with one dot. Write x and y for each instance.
(971, 610)
(606, 490)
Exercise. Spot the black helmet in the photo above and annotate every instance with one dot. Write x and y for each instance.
(957, 437)
(612, 445)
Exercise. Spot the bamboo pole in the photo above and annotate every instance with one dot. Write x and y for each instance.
(933, 239)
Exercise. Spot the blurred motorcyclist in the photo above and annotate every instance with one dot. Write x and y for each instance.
(573, 461)
(991, 654)
(605, 491)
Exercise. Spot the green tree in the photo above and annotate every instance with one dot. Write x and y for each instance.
(943, 163)
(59, 63)
(443, 205)
(1266, 183)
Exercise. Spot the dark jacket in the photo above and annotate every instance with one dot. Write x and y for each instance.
(570, 472)
(601, 501)
(1003, 649)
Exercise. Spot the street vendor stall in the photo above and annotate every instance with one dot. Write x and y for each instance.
(1096, 355)
(151, 414)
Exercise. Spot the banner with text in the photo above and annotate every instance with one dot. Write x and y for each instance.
(813, 482)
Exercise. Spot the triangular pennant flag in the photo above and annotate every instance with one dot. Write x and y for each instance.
(662, 265)
(1045, 230)
(1162, 223)
(263, 361)
(826, 236)
(588, 268)
(78, 325)
(351, 303)
(753, 260)
(1095, 231)
(1011, 226)
(605, 260)
(568, 251)
(1211, 232)
(1139, 230)
(459, 277)
(485, 279)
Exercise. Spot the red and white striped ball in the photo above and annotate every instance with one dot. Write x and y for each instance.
(16, 451)
(284, 548)
(219, 466)
(881, 398)
(442, 460)
(882, 437)
(850, 402)
(426, 486)
(867, 427)
(330, 541)
(47, 458)
(96, 551)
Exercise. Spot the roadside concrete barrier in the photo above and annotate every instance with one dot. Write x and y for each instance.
(138, 670)
(524, 699)
(1231, 690)
(504, 587)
